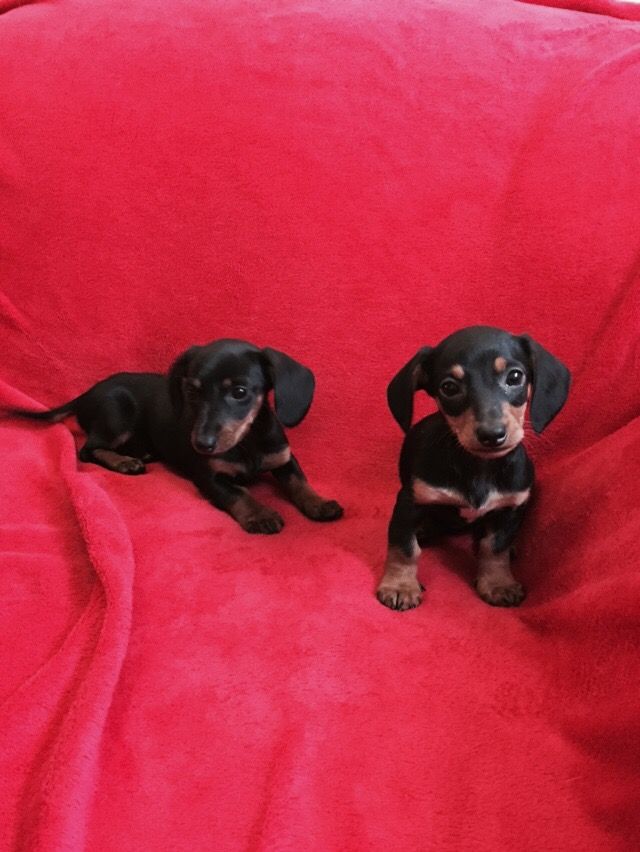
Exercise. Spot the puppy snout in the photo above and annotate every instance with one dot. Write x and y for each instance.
(492, 436)
(205, 444)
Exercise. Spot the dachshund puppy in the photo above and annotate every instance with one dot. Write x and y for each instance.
(211, 422)
(465, 469)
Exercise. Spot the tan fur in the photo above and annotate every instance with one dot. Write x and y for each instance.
(493, 568)
(244, 507)
(399, 587)
(270, 461)
(426, 494)
(234, 431)
(119, 463)
(248, 512)
(495, 501)
(500, 364)
(57, 418)
(303, 496)
(514, 422)
(227, 467)
(457, 371)
(464, 427)
(495, 583)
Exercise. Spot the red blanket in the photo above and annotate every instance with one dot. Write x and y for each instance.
(347, 182)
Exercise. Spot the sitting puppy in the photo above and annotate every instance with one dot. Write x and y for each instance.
(464, 469)
(210, 422)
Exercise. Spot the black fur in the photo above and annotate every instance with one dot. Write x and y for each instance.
(471, 447)
(209, 420)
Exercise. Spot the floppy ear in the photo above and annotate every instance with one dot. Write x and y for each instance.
(293, 386)
(178, 378)
(403, 386)
(551, 381)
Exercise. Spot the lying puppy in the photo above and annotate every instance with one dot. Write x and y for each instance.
(210, 421)
(464, 469)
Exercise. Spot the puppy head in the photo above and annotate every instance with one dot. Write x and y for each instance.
(220, 388)
(482, 379)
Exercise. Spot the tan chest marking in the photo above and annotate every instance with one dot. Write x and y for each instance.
(270, 461)
(426, 495)
(495, 500)
(227, 467)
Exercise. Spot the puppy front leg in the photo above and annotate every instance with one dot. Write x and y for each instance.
(252, 516)
(399, 587)
(295, 485)
(495, 583)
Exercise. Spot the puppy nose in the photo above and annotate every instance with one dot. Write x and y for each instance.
(491, 436)
(205, 444)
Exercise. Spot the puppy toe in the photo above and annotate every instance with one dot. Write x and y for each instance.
(400, 597)
(265, 523)
(131, 466)
(330, 510)
(508, 595)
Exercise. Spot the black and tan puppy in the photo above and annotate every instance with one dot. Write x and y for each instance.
(211, 422)
(465, 469)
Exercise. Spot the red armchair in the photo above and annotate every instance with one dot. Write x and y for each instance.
(344, 181)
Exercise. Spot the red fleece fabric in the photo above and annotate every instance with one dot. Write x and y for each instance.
(618, 8)
(346, 182)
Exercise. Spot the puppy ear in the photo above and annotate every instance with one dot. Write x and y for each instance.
(178, 378)
(551, 382)
(293, 386)
(403, 386)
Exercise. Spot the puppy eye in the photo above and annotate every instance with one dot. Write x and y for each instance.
(238, 392)
(515, 377)
(449, 388)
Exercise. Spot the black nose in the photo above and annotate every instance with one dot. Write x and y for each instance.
(205, 444)
(491, 436)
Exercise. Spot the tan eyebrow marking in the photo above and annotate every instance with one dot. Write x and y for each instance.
(500, 365)
(457, 372)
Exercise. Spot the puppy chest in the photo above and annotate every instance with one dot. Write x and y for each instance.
(228, 468)
(250, 465)
(430, 495)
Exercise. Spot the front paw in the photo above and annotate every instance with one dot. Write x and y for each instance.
(400, 595)
(325, 510)
(508, 594)
(263, 521)
(130, 466)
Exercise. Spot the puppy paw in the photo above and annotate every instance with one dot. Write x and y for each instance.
(325, 510)
(264, 521)
(130, 466)
(400, 595)
(511, 594)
